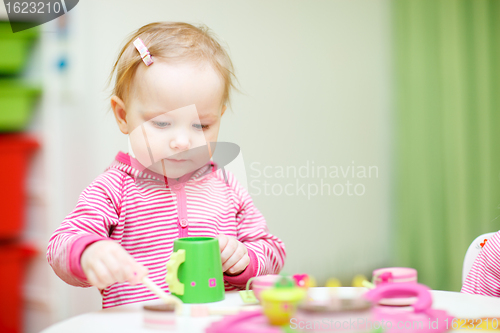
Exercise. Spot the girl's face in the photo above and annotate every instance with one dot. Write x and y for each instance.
(172, 113)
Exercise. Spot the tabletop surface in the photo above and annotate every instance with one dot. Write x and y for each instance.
(129, 318)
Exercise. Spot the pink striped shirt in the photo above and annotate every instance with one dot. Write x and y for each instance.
(484, 276)
(136, 209)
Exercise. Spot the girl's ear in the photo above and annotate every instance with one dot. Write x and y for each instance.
(223, 110)
(120, 113)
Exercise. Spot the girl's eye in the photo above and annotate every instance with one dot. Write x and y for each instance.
(200, 126)
(160, 124)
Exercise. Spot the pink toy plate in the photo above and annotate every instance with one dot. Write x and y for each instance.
(423, 319)
(243, 322)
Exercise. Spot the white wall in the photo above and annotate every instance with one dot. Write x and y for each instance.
(316, 77)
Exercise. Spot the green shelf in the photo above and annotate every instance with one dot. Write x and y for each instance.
(16, 104)
(14, 48)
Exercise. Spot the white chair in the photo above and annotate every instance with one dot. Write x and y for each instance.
(472, 253)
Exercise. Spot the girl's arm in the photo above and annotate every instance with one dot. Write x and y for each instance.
(266, 251)
(484, 276)
(95, 214)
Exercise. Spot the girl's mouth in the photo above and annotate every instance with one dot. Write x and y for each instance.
(174, 160)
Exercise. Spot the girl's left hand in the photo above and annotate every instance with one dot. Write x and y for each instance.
(234, 255)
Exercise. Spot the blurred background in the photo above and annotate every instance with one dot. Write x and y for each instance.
(368, 133)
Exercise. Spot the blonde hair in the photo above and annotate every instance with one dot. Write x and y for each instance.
(173, 41)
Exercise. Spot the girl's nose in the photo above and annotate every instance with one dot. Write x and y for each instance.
(180, 141)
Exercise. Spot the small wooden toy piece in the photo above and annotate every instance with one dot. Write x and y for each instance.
(247, 296)
(167, 298)
(161, 316)
(304, 280)
(312, 282)
(358, 280)
(301, 280)
(368, 284)
(197, 310)
(333, 283)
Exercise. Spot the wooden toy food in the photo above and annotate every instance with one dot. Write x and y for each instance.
(161, 316)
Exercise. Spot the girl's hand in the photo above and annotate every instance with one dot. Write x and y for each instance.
(106, 262)
(234, 255)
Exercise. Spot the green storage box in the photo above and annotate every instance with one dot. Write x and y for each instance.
(14, 48)
(16, 104)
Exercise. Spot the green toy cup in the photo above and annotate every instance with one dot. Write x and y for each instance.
(194, 271)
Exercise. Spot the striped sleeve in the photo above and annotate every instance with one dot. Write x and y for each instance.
(484, 276)
(252, 231)
(96, 213)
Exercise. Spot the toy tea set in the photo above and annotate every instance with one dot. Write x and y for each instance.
(393, 302)
(194, 275)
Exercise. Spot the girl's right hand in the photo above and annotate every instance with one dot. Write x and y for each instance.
(106, 262)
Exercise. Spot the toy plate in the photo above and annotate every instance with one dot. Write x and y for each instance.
(403, 301)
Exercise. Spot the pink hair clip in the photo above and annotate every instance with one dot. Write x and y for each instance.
(143, 50)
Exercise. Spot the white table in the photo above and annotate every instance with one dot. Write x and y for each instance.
(128, 318)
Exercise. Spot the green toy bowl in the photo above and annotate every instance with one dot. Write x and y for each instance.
(14, 48)
(16, 104)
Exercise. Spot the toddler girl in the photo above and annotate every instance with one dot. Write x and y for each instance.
(484, 276)
(173, 82)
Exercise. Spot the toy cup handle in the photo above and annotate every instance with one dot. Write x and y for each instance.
(249, 282)
(176, 259)
(394, 290)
